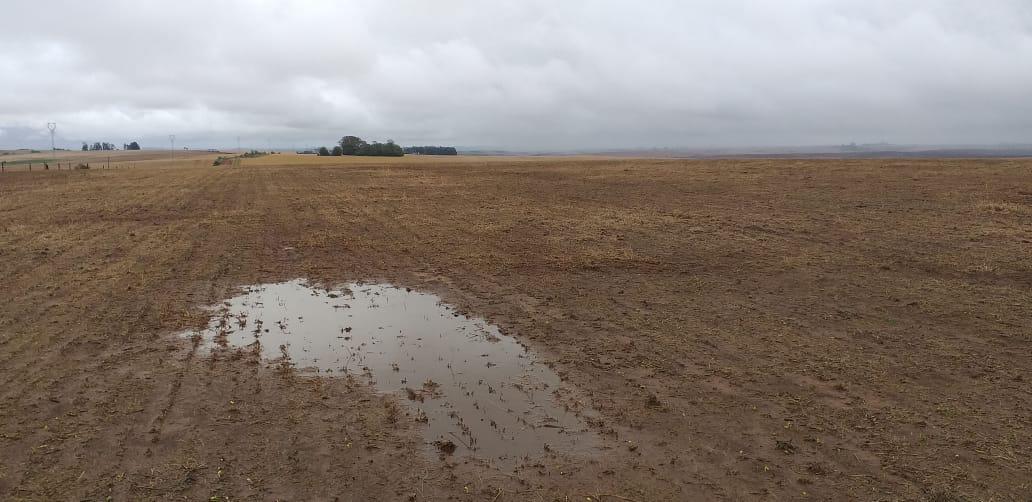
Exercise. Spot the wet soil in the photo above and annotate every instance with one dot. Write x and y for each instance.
(478, 392)
(744, 329)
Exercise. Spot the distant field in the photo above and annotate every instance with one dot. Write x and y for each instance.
(20, 160)
(745, 329)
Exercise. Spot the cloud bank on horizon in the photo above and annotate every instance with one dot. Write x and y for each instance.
(522, 75)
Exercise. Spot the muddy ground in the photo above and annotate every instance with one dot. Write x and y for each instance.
(751, 329)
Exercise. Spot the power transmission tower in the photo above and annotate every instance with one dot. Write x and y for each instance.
(53, 127)
(172, 139)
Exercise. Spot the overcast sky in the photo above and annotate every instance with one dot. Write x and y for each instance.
(519, 74)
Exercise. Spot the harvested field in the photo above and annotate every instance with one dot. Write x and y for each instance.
(745, 329)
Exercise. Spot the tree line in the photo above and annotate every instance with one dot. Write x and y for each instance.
(99, 146)
(353, 145)
(431, 150)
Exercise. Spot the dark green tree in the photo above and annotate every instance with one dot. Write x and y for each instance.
(377, 149)
(323, 152)
(338, 151)
(351, 145)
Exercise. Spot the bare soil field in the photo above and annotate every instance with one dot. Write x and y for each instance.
(745, 329)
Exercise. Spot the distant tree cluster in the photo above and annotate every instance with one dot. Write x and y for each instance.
(353, 145)
(431, 150)
(98, 146)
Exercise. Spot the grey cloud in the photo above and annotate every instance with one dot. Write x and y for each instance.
(518, 74)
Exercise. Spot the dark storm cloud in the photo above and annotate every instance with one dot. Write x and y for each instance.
(518, 74)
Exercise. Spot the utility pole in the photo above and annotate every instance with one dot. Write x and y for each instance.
(53, 127)
(172, 139)
(238, 145)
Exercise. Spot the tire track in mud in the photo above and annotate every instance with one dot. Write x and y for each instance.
(156, 423)
(59, 358)
(207, 192)
(172, 395)
(279, 222)
(222, 241)
(213, 238)
(196, 189)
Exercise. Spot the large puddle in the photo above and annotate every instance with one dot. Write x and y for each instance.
(473, 389)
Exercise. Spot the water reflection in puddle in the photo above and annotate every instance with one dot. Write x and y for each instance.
(470, 385)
